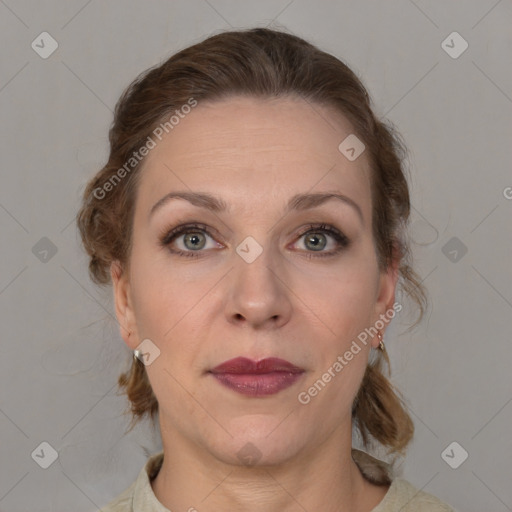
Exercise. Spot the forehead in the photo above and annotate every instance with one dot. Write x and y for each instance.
(244, 146)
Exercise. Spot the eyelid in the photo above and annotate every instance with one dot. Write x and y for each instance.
(167, 234)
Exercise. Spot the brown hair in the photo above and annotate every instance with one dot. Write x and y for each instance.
(261, 63)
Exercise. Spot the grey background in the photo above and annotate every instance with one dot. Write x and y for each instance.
(61, 351)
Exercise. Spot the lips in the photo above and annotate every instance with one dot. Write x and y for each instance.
(243, 365)
(257, 378)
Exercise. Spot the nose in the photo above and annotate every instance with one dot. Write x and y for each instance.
(259, 294)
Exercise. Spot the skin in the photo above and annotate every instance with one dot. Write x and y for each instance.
(254, 154)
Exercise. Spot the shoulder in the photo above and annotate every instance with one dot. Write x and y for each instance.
(122, 503)
(404, 496)
(139, 496)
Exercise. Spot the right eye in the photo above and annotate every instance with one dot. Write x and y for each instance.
(193, 241)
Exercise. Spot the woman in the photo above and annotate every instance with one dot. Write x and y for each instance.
(251, 219)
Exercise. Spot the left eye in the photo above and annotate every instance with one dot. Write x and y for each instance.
(316, 239)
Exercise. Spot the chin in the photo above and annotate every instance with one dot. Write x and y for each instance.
(257, 443)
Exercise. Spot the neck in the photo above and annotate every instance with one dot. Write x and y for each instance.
(326, 479)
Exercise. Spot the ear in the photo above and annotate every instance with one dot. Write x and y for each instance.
(386, 293)
(123, 305)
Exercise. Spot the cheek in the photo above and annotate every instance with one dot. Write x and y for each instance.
(162, 296)
(343, 296)
(170, 310)
(344, 303)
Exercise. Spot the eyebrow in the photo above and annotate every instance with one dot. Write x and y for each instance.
(297, 202)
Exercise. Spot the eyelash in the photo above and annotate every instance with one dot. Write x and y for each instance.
(170, 236)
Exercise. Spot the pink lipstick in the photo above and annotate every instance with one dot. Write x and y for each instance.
(257, 378)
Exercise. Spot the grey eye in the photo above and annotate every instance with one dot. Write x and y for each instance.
(197, 240)
(315, 241)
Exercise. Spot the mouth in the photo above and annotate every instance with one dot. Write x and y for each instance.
(257, 378)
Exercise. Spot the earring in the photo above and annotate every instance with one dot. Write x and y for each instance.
(136, 353)
(381, 342)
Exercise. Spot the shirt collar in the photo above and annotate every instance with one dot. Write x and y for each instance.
(144, 498)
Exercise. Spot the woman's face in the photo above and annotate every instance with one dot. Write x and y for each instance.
(262, 278)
